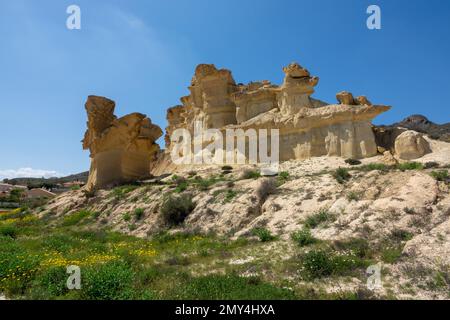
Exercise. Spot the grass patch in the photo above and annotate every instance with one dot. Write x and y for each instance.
(283, 177)
(303, 237)
(263, 234)
(226, 287)
(139, 213)
(250, 174)
(8, 230)
(441, 175)
(322, 263)
(229, 195)
(341, 175)
(316, 219)
(76, 218)
(410, 166)
(121, 192)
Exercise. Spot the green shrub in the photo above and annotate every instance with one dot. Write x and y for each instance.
(341, 175)
(401, 235)
(321, 263)
(76, 187)
(250, 174)
(391, 253)
(110, 281)
(303, 237)
(51, 283)
(263, 234)
(352, 162)
(75, 218)
(317, 264)
(121, 192)
(284, 175)
(229, 195)
(8, 230)
(60, 242)
(358, 246)
(175, 210)
(139, 213)
(126, 217)
(441, 175)
(318, 218)
(410, 166)
(205, 184)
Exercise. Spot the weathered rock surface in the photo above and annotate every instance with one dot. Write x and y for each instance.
(411, 145)
(307, 127)
(122, 149)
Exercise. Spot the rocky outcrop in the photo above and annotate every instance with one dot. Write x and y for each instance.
(411, 145)
(308, 127)
(345, 97)
(122, 149)
(421, 124)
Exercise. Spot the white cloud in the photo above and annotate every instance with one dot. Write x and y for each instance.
(28, 173)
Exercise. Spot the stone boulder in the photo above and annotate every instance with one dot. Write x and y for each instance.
(411, 145)
(122, 149)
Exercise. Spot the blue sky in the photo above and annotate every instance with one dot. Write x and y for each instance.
(142, 54)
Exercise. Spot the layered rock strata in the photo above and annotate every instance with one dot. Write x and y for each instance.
(307, 127)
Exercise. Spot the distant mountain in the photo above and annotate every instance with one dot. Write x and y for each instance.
(420, 123)
(83, 176)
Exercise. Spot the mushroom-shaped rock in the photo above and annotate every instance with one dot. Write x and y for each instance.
(121, 149)
(411, 145)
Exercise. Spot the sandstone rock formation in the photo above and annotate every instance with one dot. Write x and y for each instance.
(411, 145)
(307, 127)
(345, 97)
(122, 149)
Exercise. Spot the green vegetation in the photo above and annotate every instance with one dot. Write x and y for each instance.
(441, 175)
(225, 287)
(139, 213)
(341, 175)
(314, 220)
(175, 210)
(322, 263)
(116, 266)
(229, 195)
(410, 166)
(263, 234)
(204, 184)
(121, 192)
(303, 237)
(283, 177)
(75, 218)
(250, 174)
